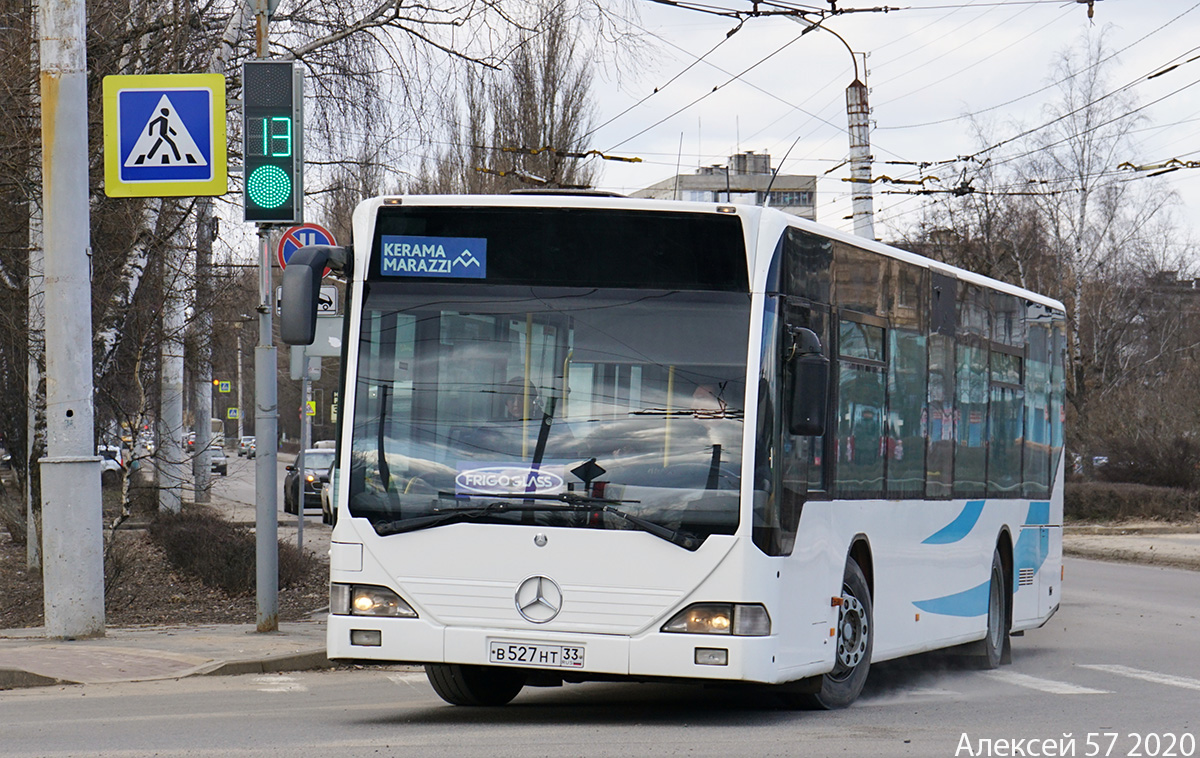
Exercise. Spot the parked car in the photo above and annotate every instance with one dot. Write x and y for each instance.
(244, 445)
(220, 464)
(328, 491)
(112, 465)
(252, 451)
(316, 467)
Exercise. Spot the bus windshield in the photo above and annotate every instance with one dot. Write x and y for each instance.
(545, 397)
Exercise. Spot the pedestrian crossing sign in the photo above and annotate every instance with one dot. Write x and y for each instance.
(164, 135)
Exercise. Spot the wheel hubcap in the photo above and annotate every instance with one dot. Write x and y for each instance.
(852, 642)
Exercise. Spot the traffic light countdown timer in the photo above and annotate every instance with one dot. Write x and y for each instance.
(273, 141)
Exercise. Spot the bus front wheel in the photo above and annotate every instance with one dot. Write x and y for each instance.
(855, 636)
(460, 684)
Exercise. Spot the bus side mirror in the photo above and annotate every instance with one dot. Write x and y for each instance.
(302, 288)
(810, 385)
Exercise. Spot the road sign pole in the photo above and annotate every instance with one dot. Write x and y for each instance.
(301, 464)
(72, 518)
(266, 476)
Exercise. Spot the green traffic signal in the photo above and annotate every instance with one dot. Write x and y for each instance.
(268, 186)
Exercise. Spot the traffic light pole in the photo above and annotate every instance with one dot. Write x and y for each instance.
(266, 423)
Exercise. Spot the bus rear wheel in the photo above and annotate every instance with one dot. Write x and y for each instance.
(990, 656)
(855, 637)
(460, 684)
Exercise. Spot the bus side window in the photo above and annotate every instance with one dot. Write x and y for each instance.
(971, 400)
(939, 421)
(1037, 403)
(861, 393)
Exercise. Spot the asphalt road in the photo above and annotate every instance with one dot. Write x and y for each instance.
(238, 486)
(234, 496)
(1118, 670)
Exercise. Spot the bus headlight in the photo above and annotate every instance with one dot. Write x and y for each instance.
(738, 619)
(366, 600)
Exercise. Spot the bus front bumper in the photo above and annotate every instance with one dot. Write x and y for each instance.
(650, 655)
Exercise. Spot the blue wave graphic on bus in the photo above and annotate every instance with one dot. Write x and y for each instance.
(960, 527)
(972, 602)
(1030, 552)
(1033, 546)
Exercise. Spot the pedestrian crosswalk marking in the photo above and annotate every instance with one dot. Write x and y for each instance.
(1042, 685)
(279, 684)
(165, 140)
(1146, 676)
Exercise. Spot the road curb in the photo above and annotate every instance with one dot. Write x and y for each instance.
(1142, 557)
(13, 679)
(1134, 529)
(305, 660)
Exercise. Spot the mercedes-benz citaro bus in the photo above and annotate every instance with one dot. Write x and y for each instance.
(591, 438)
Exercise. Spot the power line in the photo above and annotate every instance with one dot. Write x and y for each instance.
(729, 81)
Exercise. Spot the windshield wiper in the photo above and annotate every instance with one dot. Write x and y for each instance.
(445, 516)
(566, 501)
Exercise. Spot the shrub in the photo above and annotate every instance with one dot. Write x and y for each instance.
(12, 513)
(1165, 462)
(218, 553)
(1104, 501)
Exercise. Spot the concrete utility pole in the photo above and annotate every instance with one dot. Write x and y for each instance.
(202, 401)
(858, 113)
(72, 517)
(171, 451)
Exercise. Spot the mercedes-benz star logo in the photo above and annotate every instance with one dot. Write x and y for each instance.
(539, 599)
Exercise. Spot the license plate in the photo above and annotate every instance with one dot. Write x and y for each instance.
(536, 654)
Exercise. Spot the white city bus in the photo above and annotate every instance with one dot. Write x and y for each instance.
(593, 437)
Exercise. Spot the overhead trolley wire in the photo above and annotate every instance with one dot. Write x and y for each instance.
(1010, 159)
(668, 83)
(1051, 85)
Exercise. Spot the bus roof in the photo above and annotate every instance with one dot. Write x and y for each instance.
(753, 216)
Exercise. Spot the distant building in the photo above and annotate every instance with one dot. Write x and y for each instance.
(743, 181)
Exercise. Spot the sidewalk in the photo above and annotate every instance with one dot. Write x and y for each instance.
(29, 659)
(1176, 546)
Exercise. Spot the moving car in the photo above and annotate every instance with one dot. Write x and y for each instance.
(328, 491)
(244, 445)
(316, 469)
(220, 464)
(112, 467)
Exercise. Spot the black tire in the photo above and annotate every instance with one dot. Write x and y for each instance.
(855, 640)
(459, 684)
(998, 624)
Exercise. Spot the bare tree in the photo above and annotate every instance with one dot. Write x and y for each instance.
(522, 126)
(1061, 219)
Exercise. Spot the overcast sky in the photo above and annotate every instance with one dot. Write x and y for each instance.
(929, 64)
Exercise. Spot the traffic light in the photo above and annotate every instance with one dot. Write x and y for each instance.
(273, 141)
